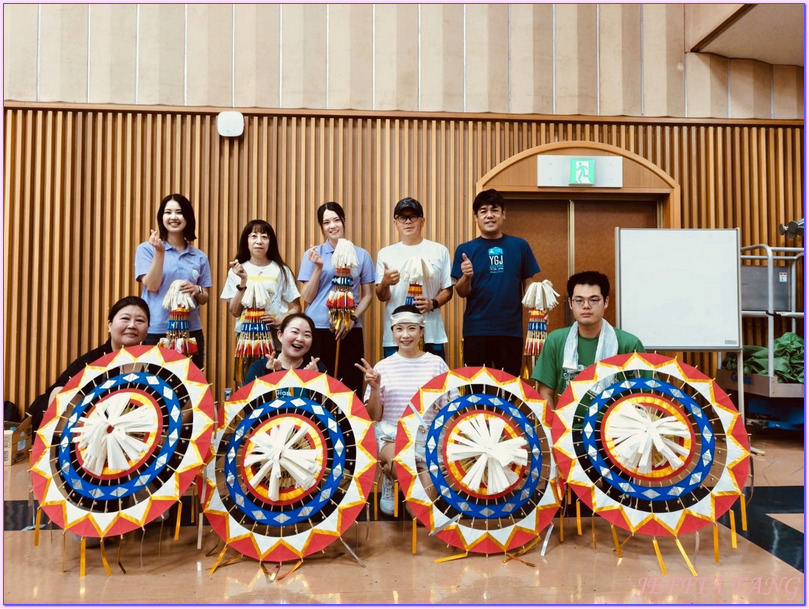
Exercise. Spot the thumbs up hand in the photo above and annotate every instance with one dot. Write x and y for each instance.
(391, 277)
(466, 266)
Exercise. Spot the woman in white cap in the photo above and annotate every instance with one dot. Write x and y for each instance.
(392, 383)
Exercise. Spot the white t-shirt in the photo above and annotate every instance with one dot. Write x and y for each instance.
(270, 276)
(395, 256)
(400, 380)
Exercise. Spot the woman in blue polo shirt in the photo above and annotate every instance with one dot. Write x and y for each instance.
(315, 274)
(168, 256)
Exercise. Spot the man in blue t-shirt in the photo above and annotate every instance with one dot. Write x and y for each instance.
(492, 273)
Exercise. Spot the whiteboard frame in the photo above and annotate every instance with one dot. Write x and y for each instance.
(674, 253)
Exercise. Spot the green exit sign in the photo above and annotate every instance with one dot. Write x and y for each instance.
(583, 172)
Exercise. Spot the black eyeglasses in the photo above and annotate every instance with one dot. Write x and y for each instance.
(407, 219)
(593, 301)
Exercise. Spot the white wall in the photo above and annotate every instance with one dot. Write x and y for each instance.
(612, 60)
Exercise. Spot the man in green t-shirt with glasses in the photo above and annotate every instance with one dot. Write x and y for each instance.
(568, 351)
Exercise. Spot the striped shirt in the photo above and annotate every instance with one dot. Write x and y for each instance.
(400, 380)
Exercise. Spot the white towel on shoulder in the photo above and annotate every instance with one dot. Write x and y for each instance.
(607, 347)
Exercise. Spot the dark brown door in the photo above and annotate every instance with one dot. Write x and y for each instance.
(569, 236)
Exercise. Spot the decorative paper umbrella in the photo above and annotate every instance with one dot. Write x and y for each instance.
(539, 299)
(254, 338)
(294, 461)
(651, 444)
(486, 481)
(340, 300)
(179, 305)
(123, 441)
(415, 271)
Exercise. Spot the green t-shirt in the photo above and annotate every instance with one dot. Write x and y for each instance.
(549, 370)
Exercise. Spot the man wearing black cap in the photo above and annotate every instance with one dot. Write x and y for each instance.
(391, 287)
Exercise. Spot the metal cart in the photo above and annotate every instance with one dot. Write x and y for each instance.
(768, 291)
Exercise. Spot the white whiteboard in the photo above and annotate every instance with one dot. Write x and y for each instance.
(678, 289)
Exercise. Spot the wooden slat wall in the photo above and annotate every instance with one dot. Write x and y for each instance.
(82, 185)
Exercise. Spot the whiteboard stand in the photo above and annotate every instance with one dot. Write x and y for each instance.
(740, 390)
(680, 290)
(740, 377)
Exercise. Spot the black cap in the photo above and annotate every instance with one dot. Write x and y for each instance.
(408, 203)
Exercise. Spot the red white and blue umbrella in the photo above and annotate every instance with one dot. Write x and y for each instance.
(294, 462)
(122, 442)
(651, 444)
(485, 482)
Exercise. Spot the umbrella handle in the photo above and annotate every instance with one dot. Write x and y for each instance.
(337, 357)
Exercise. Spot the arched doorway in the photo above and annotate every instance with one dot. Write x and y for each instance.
(572, 228)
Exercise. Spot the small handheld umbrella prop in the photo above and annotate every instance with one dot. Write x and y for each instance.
(340, 300)
(539, 299)
(653, 446)
(121, 443)
(179, 305)
(254, 337)
(416, 271)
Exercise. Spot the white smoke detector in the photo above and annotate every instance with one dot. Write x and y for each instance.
(230, 123)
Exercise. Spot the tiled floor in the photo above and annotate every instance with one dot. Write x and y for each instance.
(175, 572)
(796, 521)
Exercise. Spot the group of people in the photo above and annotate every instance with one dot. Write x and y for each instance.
(490, 272)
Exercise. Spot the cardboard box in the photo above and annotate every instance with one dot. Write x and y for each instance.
(17, 442)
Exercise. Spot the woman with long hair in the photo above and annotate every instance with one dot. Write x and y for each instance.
(168, 261)
(272, 293)
(316, 273)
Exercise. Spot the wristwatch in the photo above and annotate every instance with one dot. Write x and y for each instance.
(241, 288)
(435, 304)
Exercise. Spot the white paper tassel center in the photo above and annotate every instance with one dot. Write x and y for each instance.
(480, 438)
(174, 298)
(257, 295)
(540, 295)
(416, 270)
(275, 453)
(643, 438)
(345, 256)
(107, 437)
